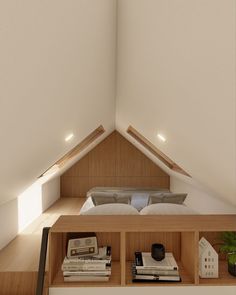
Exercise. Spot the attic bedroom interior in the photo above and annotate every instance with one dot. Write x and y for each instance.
(118, 147)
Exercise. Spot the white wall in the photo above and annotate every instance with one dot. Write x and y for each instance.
(199, 199)
(176, 76)
(15, 215)
(8, 222)
(57, 76)
(50, 192)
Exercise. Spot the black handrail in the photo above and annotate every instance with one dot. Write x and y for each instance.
(42, 261)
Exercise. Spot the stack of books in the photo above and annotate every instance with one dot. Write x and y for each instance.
(147, 269)
(89, 268)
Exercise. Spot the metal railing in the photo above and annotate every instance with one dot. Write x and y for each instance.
(42, 261)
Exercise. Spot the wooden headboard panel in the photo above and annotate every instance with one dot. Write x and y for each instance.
(113, 162)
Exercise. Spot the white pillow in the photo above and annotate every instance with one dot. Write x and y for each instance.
(111, 209)
(167, 209)
(88, 204)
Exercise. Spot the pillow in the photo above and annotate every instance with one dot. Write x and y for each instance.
(174, 198)
(102, 194)
(87, 205)
(112, 209)
(100, 200)
(155, 198)
(167, 209)
(123, 198)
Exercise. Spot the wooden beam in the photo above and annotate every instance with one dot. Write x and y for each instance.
(155, 151)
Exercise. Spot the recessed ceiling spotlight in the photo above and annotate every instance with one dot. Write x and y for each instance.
(69, 137)
(161, 137)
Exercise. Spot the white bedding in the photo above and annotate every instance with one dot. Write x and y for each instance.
(167, 209)
(118, 209)
(139, 202)
(111, 209)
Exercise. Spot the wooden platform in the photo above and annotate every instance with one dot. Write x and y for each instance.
(20, 258)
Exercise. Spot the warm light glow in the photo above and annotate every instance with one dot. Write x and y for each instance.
(29, 205)
(69, 137)
(161, 137)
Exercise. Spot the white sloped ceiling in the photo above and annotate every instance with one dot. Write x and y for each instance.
(57, 75)
(176, 76)
(171, 70)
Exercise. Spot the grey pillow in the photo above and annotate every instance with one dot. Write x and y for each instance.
(101, 200)
(102, 194)
(155, 198)
(123, 198)
(173, 198)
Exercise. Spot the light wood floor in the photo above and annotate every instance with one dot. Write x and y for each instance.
(22, 254)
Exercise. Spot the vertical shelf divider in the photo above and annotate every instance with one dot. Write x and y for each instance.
(123, 257)
(196, 265)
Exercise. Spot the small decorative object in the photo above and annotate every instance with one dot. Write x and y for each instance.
(208, 260)
(84, 245)
(229, 247)
(158, 252)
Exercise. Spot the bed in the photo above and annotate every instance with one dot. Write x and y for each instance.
(134, 201)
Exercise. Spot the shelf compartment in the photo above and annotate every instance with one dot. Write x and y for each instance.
(142, 241)
(182, 245)
(58, 246)
(186, 278)
(225, 278)
(114, 280)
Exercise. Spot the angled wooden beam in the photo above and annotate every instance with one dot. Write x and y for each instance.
(155, 151)
(76, 150)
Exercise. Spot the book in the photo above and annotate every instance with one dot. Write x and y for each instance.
(106, 272)
(151, 278)
(86, 279)
(144, 260)
(96, 262)
(104, 253)
(157, 272)
(79, 265)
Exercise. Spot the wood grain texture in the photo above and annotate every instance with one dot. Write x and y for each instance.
(145, 223)
(113, 162)
(127, 234)
(142, 241)
(189, 253)
(19, 259)
(123, 256)
(21, 283)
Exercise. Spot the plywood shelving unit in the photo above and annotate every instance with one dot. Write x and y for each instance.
(127, 234)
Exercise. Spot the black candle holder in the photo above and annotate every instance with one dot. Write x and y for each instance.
(158, 252)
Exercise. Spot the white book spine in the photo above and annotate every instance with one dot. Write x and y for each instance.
(156, 267)
(86, 279)
(83, 267)
(87, 273)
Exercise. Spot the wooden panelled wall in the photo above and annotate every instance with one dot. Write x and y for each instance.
(113, 162)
